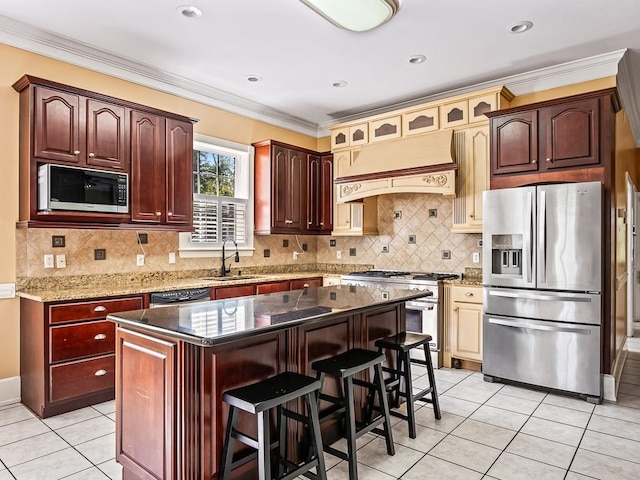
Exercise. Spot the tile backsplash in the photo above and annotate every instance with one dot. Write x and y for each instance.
(431, 234)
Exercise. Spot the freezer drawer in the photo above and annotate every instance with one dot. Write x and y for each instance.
(537, 304)
(554, 355)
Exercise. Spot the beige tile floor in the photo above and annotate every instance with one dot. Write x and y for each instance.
(487, 431)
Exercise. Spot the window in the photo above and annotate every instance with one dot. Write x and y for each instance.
(222, 210)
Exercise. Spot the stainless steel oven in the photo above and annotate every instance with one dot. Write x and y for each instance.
(424, 315)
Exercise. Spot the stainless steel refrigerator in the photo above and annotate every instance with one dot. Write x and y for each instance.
(542, 276)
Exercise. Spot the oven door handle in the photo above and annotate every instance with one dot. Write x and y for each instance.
(421, 305)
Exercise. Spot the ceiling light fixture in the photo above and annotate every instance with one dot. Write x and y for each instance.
(339, 84)
(253, 78)
(355, 15)
(189, 11)
(520, 27)
(416, 59)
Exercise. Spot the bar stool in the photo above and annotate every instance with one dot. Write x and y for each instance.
(258, 399)
(402, 343)
(344, 366)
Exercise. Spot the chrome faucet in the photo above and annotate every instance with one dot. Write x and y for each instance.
(224, 269)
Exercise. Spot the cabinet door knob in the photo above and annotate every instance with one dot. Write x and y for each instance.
(468, 294)
(321, 223)
(549, 160)
(534, 161)
(100, 336)
(100, 373)
(76, 152)
(169, 214)
(470, 216)
(308, 223)
(455, 309)
(306, 285)
(100, 308)
(158, 213)
(288, 221)
(91, 155)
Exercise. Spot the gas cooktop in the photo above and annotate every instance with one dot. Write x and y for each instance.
(428, 276)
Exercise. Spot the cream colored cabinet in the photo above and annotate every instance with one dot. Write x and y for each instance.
(420, 121)
(384, 129)
(356, 218)
(465, 323)
(472, 155)
(454, 114)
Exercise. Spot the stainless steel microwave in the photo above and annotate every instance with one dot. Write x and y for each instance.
(82, 189)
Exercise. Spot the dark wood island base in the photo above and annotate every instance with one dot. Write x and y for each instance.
(171, 373)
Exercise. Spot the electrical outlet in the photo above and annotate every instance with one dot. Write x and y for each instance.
(100, 254)
(352, 252)
(332, 242)
(57, 241)
(61, 261)
(446, 254)
(412, 239)
(338, 254)
(475, 257)
(479, 242)
(385, 248)
(295, 255)
(48, 260)
(140, 260)
(143, 238)
(433, 213)
(172, 257)
(397, 214)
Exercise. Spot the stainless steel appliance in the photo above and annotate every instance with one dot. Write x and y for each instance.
(424, 315)
(542, 276)
(82, 189)
(173, 297)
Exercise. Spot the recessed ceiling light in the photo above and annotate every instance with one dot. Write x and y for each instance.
(253, 78)
(340, 84)
(520, 27)
(189, 11)
(417, 59)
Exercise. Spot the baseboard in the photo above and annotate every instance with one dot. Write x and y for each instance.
(9, 390)
(610, 383)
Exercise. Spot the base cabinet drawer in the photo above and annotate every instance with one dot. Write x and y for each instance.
(92, 309)
(76, 341)
(75, 379)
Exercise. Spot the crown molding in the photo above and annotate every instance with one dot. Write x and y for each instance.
(628, 80)
(26, 37)
(568, 73)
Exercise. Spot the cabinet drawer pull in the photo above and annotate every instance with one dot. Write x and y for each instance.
(92, 155)
(288, 221)
(321, 223)
(100, 336)
(76, 152)
(468, 294)
(308, 223)
(549, 160)
(100, 308)
(158, 213)
(306, 285)
(169, 214)
(100, 373)
(534, 161)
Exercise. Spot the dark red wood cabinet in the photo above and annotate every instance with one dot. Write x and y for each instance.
(67, 352)
(66, 125)
(292, 190)
(559, 134)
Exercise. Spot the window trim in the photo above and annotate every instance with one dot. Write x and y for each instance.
(186, 249)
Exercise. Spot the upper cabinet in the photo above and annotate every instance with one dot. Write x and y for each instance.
(555, 135)
(64, 125)
(78, 130)
(291, 186)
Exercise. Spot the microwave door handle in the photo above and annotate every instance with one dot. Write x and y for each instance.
(542, 238)
(528, 240)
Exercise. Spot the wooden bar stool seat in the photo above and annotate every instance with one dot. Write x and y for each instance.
(400, 383)
(344, 366)
(259, 398)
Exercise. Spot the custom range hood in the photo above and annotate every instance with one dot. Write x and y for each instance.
(418, 164)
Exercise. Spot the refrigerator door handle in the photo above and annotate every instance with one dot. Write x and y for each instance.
(539, 296)
(528, 240)
(542, 239)
(535, 326)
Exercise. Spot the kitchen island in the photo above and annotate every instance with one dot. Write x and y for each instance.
(174, 363)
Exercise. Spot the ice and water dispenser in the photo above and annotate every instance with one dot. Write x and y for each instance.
(506, 254)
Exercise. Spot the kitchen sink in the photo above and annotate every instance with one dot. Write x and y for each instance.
(230, 278)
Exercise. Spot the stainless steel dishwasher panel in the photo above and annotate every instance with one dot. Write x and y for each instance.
(563, 356)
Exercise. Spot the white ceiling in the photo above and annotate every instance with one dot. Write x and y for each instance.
(299, 55)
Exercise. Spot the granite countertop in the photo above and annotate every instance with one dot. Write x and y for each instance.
(127, 286)
(220, 321)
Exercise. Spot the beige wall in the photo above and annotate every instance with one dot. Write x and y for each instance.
(212, 121)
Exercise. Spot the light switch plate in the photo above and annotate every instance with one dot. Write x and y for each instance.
(140, 260)
(475, 257)
(172, 257)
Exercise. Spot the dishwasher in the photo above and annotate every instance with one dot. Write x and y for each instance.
(173, 297)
